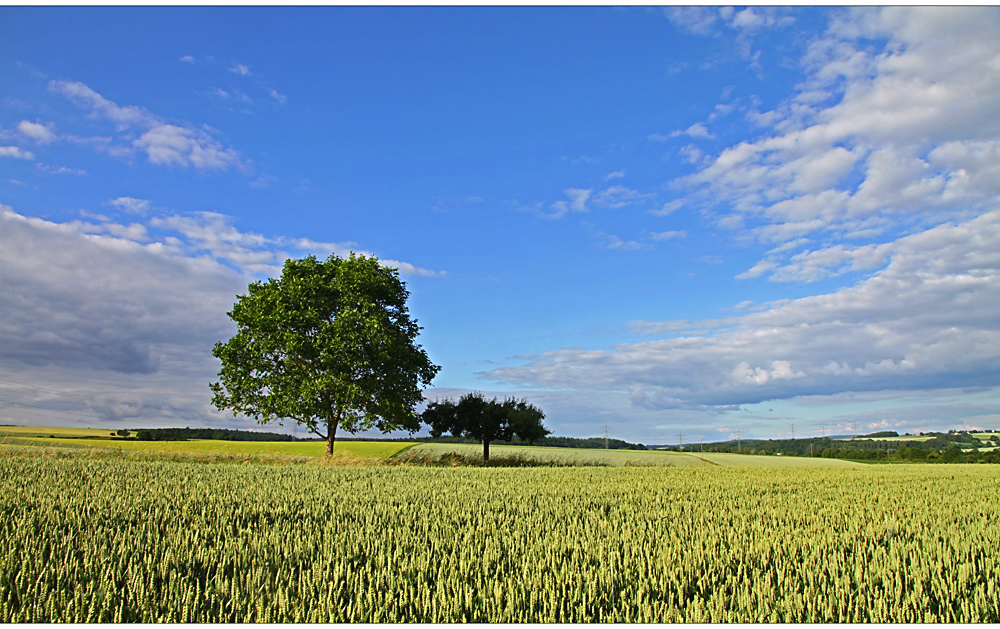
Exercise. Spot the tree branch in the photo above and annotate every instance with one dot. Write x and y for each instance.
(318, 433)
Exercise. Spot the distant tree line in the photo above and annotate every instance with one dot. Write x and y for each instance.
(224, 434)
(218, 434)
(953, 447)
(592, 442)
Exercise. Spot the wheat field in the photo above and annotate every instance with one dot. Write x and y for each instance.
(119, 540)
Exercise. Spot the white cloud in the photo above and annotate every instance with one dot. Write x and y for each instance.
(61, 170)
(810, 266)
(187, 59)
(240, 69)
(577, 203)
(620, 196)
(697, 130)
(216, 235)
(38, 132)
(280, 98)
(698, 20)
(14, 152)
(163, 143)
(746, 23)
(721, 109)
(692, 154)
(170, 145)
(875, 136)
(131, 205)
(103, 321)
(668, 208)
(137, 311)
(753, 19)
(618, 174)
(610, 241)
(86, 98)
(757, 270)
(668, 235)
(926, 321)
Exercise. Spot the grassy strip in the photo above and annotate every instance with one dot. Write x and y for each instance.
(459, 459)
(38, 448)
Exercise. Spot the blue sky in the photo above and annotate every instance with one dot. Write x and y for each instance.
(679, 220)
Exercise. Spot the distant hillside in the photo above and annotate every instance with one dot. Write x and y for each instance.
(953, 446)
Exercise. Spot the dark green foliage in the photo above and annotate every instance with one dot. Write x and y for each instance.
(218, 434)
(328, 344)
(573, 442)
(475, 417)
(941, 448)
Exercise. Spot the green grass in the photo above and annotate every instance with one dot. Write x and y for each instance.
(46, 431)
(582, 456)
(313, 449)
(653, 458)
(746, 460)
(986, 436)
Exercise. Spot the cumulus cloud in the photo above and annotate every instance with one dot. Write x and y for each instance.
(14, 152)
(610, 241)
(577, 203)
(925, 321)
(911, 140)
(137, 311)
(745, 23)
(100, 107)
(697, 130)
(668, 235)
(215, 234)
(36, 131)
(115, 321)
(130, 205)
(170, 145)
(620, 196)
(698, 20)
(164, 144)
(61, 170)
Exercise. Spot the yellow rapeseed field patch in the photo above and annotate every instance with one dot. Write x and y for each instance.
(317, 449)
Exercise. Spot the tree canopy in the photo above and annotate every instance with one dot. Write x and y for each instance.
(485, 420)
(328, 344)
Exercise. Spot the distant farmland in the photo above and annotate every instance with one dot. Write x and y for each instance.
(98, 439)
(88, 438)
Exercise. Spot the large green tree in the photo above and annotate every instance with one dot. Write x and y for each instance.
(328, 344)
(485, 420)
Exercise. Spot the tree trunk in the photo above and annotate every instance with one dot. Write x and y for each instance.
(486, 451)
(331, 433)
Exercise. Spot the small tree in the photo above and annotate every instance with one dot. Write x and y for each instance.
(328, 344)
(485, 420)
